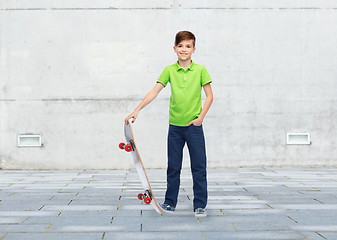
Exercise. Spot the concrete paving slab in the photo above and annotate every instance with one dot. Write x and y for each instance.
(317, 235)
(170, 223)
(317, 217)
(154, 236)
(257, 235)
(327, 235)
(23, 228)
(244, 203)
(11, 213)
(53, 236)
(12, 220)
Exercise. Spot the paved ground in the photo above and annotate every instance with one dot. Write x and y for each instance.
(245, 203)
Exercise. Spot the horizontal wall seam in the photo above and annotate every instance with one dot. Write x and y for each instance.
(75, 99)
(109, 9)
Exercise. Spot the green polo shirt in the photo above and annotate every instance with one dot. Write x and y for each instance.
(186, 86)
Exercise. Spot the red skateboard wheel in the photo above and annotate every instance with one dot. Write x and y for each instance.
(122, 146)
(140, 196)
(128, 148)
(147, 200)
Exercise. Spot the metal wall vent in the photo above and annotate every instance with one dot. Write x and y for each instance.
(28, 140)
(298, 138)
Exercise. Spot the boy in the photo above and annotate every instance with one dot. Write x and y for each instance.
(185, 121)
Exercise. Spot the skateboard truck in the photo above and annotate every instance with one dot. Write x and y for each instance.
(127, 147)
(147, 197)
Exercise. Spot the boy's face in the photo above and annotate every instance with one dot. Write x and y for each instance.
(184, 50)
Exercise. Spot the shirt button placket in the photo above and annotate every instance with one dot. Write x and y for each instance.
(184, 79)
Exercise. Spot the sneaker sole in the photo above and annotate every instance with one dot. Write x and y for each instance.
(166, 211)
(200, 215)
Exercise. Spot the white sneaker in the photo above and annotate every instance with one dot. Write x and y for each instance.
(200, 212)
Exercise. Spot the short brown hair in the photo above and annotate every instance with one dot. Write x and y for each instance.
(184, 35)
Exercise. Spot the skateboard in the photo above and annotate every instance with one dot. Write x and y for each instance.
(130, 147)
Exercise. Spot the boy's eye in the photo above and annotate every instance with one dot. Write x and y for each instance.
(188, 46)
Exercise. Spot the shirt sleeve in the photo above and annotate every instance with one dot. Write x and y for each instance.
(164, 77)
(205, 78)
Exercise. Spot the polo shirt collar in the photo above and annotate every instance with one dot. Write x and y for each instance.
(190, 68)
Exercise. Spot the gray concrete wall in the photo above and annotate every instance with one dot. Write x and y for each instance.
(72, 70)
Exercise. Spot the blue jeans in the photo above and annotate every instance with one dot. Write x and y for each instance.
(194, 137)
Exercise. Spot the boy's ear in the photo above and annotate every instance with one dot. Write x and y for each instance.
(175, 49)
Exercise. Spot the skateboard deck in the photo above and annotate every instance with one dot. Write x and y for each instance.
(130, 146)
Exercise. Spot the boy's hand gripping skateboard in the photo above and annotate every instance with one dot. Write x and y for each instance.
(130, 147)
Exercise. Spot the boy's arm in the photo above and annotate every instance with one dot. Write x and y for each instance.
(209, 99)
(148, 98)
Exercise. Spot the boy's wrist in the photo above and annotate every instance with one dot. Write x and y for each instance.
(201, 118)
